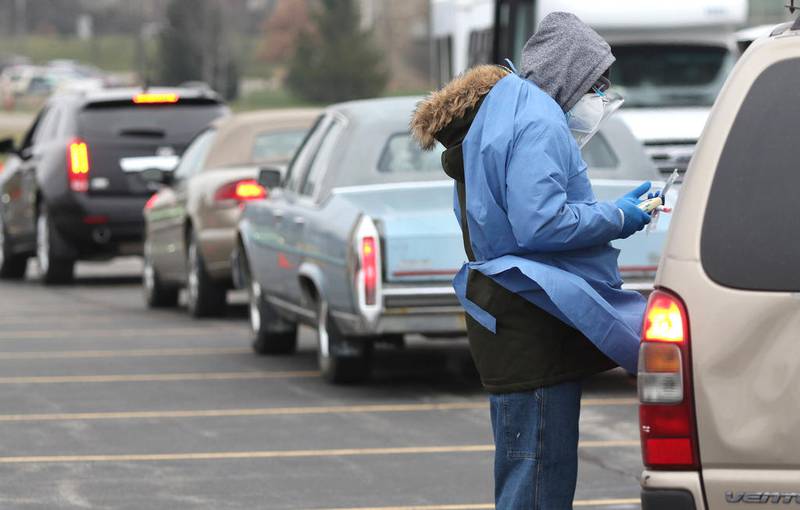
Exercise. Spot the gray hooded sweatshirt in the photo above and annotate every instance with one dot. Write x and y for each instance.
(565, 57)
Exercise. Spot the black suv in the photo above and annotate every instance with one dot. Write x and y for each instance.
(74, 189)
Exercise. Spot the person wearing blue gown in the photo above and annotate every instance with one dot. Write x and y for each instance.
(541, 288)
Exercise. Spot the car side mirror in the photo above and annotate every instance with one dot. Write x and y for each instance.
(6, 145)
(270, 177)
(157, 175)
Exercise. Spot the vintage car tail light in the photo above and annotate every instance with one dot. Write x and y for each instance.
(370, 267)
(241, 191)
(368, 279)
(151, 202)
(78, 166)
(666, 412)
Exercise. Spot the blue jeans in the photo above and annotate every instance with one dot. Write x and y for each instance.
(536, 447)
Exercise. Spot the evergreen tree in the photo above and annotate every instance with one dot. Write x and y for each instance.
(196, 46)
(337, 61)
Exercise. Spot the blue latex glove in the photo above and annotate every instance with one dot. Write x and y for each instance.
(634, 219)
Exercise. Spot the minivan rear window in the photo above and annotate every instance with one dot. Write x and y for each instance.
(750, 231)
(155, 122)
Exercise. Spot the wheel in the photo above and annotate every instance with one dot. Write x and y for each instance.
(204, 297)
(156, 293)
(54, 268)
(271, 333)
(341, 360)
(12, 266)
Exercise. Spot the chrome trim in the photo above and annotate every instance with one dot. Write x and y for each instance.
(291, 307)
(640, 286)
(385, 187)
(418, 291)
(420, 310)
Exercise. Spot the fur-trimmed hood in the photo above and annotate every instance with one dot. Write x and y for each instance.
(452, 102)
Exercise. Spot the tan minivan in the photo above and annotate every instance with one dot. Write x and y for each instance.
(719, 373)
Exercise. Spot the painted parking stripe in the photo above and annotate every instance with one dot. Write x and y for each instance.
(51, 334)
(199, 376)
(490, 506)
(128, 353)
(281, 454)
(274, 411)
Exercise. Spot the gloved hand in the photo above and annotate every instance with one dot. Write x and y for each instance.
(633, 218)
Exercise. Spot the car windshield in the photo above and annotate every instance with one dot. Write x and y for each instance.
(277, 145)
(654, 75)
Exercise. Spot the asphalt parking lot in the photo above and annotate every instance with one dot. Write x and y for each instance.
(107, 405)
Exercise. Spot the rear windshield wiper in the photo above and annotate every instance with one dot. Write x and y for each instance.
(143, 132)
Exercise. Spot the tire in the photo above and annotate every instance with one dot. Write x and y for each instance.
(156, 293)
(341, 360)
(204, 297)
(12, 266)
(54, 268)
(271, 334)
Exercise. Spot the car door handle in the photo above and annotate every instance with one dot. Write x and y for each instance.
(299, 220)
(278, 214)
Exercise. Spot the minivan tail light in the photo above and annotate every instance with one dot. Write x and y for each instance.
(666, 412)
(241, 191)
(368, 279)
(78, 166)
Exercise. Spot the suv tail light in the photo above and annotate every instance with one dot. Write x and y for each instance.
(241, 191)
(368, 269)
(666, 413)
(78, 166)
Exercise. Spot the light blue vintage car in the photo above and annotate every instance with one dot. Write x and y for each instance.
(358, 239)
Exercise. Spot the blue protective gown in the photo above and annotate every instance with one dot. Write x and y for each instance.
(535, 225)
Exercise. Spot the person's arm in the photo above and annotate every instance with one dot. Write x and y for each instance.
(536, 182)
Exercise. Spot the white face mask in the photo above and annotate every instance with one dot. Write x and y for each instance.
(590, 112)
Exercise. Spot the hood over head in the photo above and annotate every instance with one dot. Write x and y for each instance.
(565, 57)
(441, 109)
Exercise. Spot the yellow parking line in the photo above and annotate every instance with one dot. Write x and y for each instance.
(278, 454)
(49, 334)
(200, 376)
(129, 353)
(490, 506)
(268, 411)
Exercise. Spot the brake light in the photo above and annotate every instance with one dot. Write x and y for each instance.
(150, 98)
(370, 268)
(78, 166)
(241, 191)
(367, 268)
(151, 201)
(666, 412)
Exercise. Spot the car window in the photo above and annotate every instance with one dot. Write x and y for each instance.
(750, 231)
(598, 153)
(27, 142)
(305, 155)
(167, 123)
(322, 159)
(195, 155)
(276, 145)
(48, 129)
(402, 154)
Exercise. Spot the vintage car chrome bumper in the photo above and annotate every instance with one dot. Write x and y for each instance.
(410, 309)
